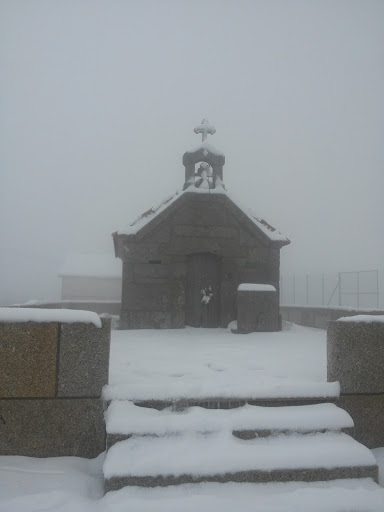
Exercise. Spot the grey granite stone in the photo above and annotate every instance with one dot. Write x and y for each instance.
(257, 311)
(355, 355)
(288, 475)
(256, 433)
(230, 403)
(28, 359)
(367, 412)
(52, 427)
(192, 224)
(152, 320)
(116, 438)
(154, 296)
(84, 359)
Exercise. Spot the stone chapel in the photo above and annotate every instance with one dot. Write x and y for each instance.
(185, 259)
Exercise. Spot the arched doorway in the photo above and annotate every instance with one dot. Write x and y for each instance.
(202, 300)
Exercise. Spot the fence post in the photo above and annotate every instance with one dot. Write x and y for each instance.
(377, 289)
(322, 289)
(294, 288)
(358, 289)
(339, 285)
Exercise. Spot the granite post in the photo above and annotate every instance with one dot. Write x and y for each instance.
(355, 355)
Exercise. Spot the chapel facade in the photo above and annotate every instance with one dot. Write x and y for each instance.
(183, 261)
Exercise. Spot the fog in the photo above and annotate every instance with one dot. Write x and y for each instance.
(99, 100)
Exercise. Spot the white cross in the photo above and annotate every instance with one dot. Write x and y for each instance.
(204, 128)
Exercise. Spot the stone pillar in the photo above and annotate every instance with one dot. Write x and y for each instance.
(355, 357)
(51, 379)
(257, 308)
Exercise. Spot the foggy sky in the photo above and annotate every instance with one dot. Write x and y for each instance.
(99, 100)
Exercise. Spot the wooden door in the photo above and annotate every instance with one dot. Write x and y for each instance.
(202, 301)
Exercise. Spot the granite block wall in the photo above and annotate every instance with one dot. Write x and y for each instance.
(320, 316)
(51, 378)
(355, 356)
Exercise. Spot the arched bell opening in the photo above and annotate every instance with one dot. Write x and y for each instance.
(203, 176)
(203, 171)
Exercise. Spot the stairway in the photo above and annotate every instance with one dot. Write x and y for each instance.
(231, 442)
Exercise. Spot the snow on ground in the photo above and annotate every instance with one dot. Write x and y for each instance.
(57, 484)
(193, 361)
(70, 484)
(197, 363)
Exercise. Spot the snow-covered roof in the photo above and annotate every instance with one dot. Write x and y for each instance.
(17, 315)
(91, 265)
(269, 230)
(145, 218)
(207, 147)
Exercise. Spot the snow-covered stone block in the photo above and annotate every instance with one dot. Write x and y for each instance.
(53, 365)
(355, 347)
(257, 308)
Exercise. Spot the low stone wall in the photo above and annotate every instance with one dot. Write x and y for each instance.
(51, 378)
(320, 316)
(99, 307)
(355, 355)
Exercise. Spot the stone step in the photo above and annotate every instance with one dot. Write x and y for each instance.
(232, 403)
(358, 495)
(219, 393)
(221, 457)
(124, 419)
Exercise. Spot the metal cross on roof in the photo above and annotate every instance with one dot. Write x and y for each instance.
(204, 128)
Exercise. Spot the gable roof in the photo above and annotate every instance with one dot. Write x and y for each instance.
(147, 217)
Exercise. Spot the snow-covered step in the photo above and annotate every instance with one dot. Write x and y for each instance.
(124, 418)
(221, 457)
(195, 389)
(353, 495)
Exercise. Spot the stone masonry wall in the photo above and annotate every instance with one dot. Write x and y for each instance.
(51, 377)
(154, 266)
(355, 355)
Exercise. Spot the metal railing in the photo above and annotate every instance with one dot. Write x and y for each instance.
(356, 289)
